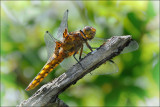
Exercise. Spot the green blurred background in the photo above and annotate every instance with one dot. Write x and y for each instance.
(23, 52)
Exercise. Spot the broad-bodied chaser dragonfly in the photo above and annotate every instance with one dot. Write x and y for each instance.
(62, 46)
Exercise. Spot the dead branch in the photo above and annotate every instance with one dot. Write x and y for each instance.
(48, 93)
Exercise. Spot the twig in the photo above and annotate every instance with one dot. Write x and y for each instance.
(48, 93)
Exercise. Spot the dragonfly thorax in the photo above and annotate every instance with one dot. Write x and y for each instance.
(89, 32)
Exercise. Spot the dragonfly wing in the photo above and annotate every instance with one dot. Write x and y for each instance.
(68, 62)
(50, 43)
(97, 41)
(63, 26)
(133, 45)
(94, 43)
(105, 69)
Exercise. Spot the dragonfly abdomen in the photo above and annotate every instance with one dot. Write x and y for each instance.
(44, 72)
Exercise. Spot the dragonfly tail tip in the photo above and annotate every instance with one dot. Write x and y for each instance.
(27, 89)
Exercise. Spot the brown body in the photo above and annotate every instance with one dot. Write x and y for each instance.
(70, 45)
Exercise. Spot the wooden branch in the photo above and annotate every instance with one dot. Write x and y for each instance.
(48, 93)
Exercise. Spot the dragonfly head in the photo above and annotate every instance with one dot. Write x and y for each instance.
(89, 32)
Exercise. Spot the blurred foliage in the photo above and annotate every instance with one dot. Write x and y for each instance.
(23, 53)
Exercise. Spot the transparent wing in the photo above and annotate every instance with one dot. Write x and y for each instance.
(133, 45)
(94, 43)
(97, 42)
(68, 62)
(50, 40)
(105, 69)
(63, 26)
(50, 43)
(111, 67)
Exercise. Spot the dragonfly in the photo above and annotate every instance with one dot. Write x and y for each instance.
(64, 45)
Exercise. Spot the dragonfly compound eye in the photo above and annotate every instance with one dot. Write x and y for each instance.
(89, 32)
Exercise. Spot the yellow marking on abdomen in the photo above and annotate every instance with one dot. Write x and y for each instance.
(43, 73)
(47, 66)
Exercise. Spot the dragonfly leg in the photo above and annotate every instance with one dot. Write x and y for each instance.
(88, 45)
(81, 52)
(77, 60)
(94, 47)
(111, 60)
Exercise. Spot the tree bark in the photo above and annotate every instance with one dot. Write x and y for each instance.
(48, 93)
